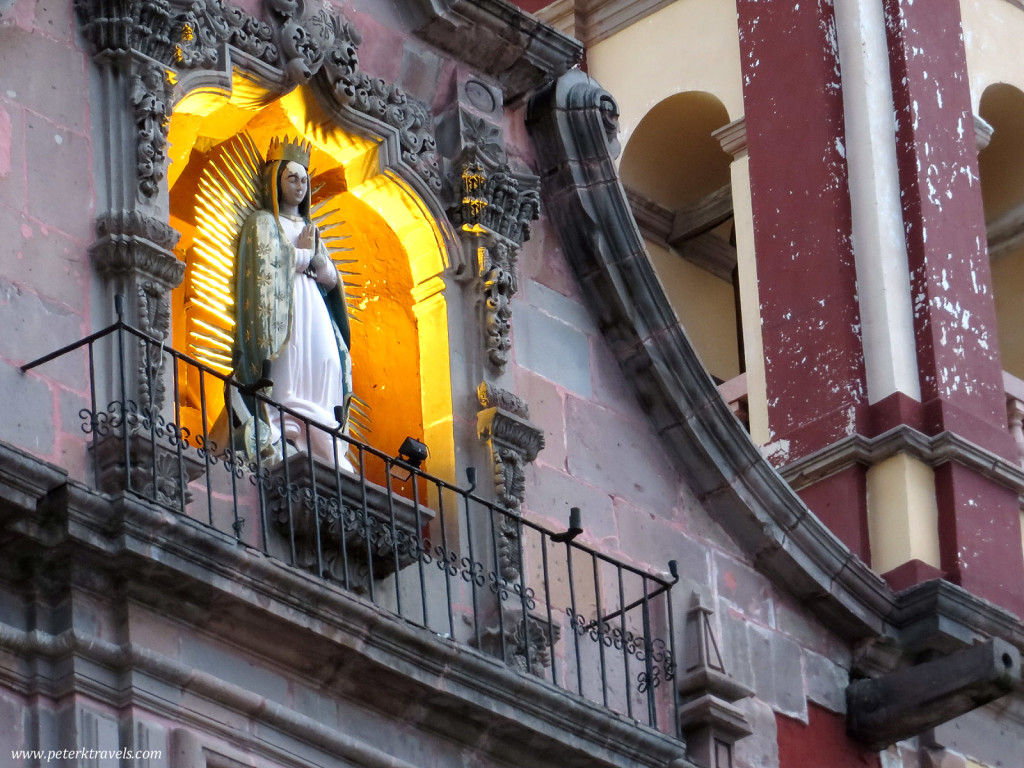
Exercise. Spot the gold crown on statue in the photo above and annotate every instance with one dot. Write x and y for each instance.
(296, 151)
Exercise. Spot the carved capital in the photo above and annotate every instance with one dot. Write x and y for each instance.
(130, 243)
(113, 27)
(514, 442)
(493, 208)
(494, 198)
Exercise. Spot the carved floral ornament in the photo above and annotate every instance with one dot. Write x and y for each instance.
(303, 43)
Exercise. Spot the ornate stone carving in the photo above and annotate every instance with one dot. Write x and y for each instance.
(514, 441)
(496, 199)
(131, 451)
(129, 241)
(500, 282)
(206, 25)
(303, 43)
(119, 26)
(133, 251)
(493, 208)
(136, 224)
(354, 532)
(151, 99)
(154, 320)
(526, 644)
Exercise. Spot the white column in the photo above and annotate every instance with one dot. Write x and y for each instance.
(883, 276)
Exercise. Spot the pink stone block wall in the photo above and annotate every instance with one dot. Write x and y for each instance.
(46, 216)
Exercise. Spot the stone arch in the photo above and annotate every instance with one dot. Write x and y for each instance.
(394, 223)
(1001, 168)
(677, 177)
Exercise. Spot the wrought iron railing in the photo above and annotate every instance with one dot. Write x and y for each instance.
(436, 554)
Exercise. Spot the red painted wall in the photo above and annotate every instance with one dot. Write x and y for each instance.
(532, 6)
(822, 742)
(793, 106)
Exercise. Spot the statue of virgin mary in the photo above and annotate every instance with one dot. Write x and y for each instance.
(290, 310)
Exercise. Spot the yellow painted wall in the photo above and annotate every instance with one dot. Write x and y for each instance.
(649, 61)
(991, 28)
(902, 513)
(705, 307)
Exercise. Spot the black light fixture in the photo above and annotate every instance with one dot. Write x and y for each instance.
(413, 452)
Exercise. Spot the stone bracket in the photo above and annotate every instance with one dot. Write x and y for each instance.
(527, 643)
(903, 703)
(513, 440)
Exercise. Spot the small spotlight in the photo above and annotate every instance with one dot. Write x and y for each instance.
(413, 452)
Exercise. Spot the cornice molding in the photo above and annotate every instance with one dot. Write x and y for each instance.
(112, 535)
(932, 450)
(733, 138)
(499, 39)
(592, 21)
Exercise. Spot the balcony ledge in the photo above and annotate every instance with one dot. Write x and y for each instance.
(290, 620)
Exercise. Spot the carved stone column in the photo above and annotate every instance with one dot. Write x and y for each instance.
(493, 214)
(131, 43)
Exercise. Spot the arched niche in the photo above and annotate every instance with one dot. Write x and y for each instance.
(1001, 167)
(678, 179)
(399, 245)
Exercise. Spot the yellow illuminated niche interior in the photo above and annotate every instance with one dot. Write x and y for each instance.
(400, 352)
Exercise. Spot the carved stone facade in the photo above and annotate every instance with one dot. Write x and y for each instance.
(148, 56)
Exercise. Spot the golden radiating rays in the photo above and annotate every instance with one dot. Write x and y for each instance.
(228, 193)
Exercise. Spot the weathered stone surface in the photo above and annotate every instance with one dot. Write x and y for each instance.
(761, 748)
(52, 263)
(568, 310)
(826, 682)
(12, 721)
(608, 451)
(420, 73)
(55, 18)
(794, 621)
(551, 348)
(777, 667)
(611, 385)
(547, 411)
(28, 420)
(12, 155)
(27, 67)
(553, 493)
(646, 536)
(62, 164)
(36, 327)
(745, 588)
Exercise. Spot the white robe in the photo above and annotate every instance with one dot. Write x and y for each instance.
(309, 375)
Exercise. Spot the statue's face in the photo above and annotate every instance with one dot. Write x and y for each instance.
(294, 182)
